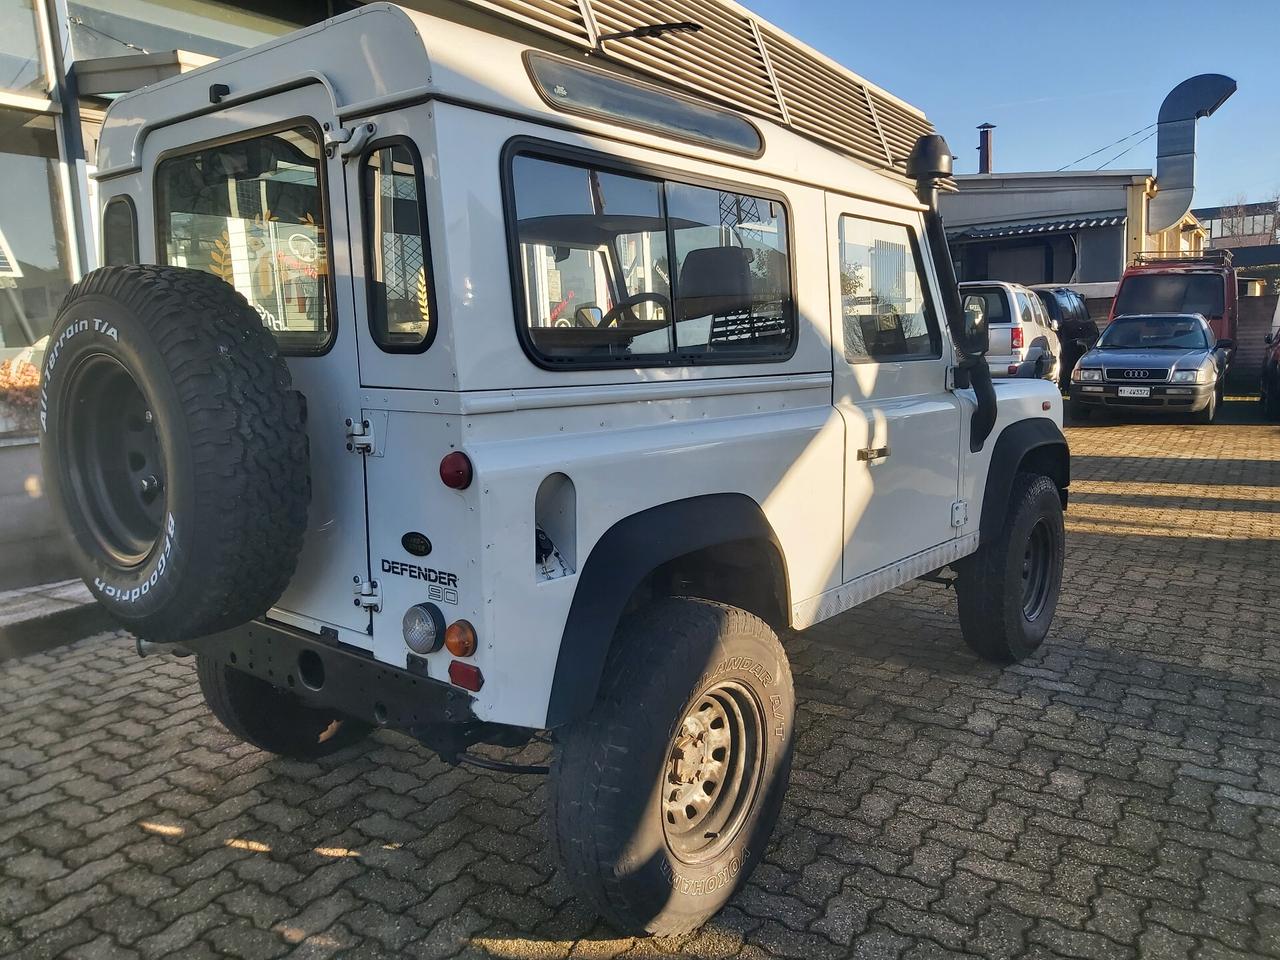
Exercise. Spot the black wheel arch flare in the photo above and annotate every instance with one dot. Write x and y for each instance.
(620, 561)
(1037, 443)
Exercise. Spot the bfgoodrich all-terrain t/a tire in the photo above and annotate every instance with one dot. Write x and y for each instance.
(272, 719)
(175, 450)
(664, 796)
(1008, 590)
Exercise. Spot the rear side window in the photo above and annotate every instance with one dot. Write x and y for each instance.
(1026, 312)
(623, 269)
(885, 310)
(397, 255)
(253, 213)
(119, 233)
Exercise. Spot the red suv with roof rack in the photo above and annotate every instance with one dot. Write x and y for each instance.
(1176, 283)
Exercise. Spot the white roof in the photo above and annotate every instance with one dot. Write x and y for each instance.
(382, 55)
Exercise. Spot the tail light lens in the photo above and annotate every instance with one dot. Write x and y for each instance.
(455, 470)
(1015, 338)
(460, 638)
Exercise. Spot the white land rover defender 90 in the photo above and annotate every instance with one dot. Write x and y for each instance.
(450, 373)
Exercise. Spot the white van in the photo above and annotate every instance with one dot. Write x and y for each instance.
(450, 383)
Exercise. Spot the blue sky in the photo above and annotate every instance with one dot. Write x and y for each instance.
(1060, 79)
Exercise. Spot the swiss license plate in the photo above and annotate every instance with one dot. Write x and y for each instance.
(1135, 391)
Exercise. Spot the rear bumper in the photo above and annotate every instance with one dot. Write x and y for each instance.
(1182, 396)
(322, 672)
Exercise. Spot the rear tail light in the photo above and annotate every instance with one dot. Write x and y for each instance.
(423, 627)
(1015, 338)
(1013, 369)
(455, 470)
(466, 675)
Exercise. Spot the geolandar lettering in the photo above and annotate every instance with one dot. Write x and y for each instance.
(641, 378)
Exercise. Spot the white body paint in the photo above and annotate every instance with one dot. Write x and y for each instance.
(785, 434)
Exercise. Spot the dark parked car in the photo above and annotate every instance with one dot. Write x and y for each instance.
(1068, 310)
(1164, 362)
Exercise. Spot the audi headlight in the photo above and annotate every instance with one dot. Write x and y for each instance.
(1185, 376)
(1088, 374)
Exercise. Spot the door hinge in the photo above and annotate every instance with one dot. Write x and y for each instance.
(368, 594)
(960, 513)
(360, 436)
(347, 142)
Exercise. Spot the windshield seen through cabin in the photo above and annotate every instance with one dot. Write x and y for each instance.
(1154, 333)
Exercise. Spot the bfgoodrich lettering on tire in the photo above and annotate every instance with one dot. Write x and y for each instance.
(1007, 592)
(174, 448)
(663, 797)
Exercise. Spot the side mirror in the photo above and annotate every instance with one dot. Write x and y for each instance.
(1269, 339)
(588, 316)
(1083, 346)
(974, 338)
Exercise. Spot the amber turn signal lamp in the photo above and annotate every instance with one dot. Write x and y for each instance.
(460, 639)
(455, 470)
(466, 675)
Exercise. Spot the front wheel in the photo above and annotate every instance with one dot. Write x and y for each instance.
(1210, 412)
(1007, 592)
(664, 796)
(1271, 400)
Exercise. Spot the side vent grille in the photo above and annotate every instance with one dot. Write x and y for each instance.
(825, 102)
(722, 61)
(561, 18)
(741, 62)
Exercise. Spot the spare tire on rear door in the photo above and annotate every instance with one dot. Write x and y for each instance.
(175, 450)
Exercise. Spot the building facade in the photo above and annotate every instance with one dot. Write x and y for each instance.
(61, 62)
(1061, 227)
(1241, 224)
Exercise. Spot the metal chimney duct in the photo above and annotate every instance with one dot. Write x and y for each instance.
(1193, 98)
(985, 147)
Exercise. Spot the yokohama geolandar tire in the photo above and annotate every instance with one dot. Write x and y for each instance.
(272, 719)
(664, 796)
(175, 450)
(1007, 592)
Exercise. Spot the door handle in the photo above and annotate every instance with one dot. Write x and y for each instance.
(867, 454)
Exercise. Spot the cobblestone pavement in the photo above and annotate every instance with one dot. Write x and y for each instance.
(1117, 796)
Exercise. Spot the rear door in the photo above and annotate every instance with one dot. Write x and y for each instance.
(250, 194)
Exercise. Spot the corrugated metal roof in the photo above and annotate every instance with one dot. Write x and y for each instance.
(1036, 227)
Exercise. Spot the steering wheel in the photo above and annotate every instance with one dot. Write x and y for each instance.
(611, 318)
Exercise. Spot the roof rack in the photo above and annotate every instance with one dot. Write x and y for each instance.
(739, 60)
(1208, 257)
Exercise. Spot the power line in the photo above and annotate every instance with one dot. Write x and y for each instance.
(1127, 149)
(1105, 147)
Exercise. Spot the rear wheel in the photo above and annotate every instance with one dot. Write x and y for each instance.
(664, 796)
(270, 718)
(1007, 592)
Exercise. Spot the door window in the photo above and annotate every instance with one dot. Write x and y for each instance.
(397, 255)
(253, 213)
(885, 310)
(624, 269)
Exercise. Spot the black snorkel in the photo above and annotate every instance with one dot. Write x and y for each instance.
(930, 161)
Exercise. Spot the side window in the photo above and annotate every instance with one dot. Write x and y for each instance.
(397, 255)
(885, 310)
(733, 288)
(253, 213)
(1026, 312)
(119, 232)
(626, 269)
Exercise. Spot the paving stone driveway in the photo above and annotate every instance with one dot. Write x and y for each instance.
(1118, 796)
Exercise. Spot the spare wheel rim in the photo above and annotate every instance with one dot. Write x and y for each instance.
(113, 461)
